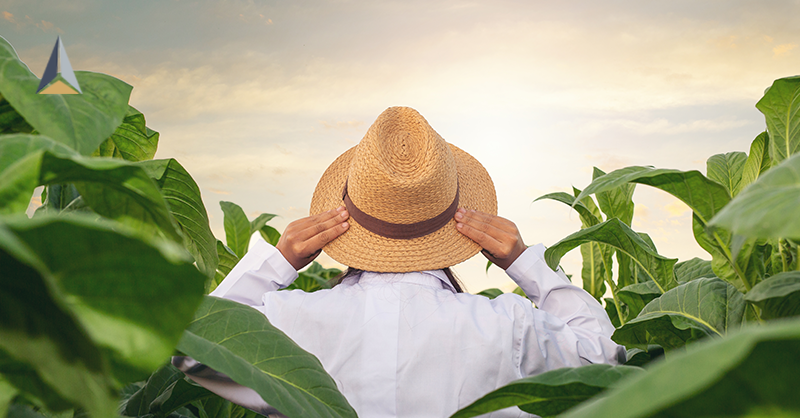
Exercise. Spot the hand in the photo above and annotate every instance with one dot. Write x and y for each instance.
(499, 237)
(303, 239)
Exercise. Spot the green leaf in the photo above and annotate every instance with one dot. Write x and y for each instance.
(271, 235)
(131, 141)
(758, 161)
(314, 278)
(237, 228)
(260, 222)
(490, 293)
(179, 394)
(40, 331)
(726, 169)
(615, 202)
(139, 403)
(637, 295)
(134, 296)
(7, 394)
(706, 306)
(79, 121)
(551, 393)
(593, 271)
(587, 217)
(12, 122)
(688, 270)
(767, 208)
(186, 206)
(615, 233)
(227, 261)
(752, 373)
(779, 106)
(777, 296)
(240, 342)
(25, 378)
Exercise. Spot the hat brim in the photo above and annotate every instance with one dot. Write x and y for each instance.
(365, 250)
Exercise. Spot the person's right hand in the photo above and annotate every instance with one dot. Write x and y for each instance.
(303, 239)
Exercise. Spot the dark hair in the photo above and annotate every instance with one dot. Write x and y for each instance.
(447, 272)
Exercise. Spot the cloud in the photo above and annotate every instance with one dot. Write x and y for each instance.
(9, 17)
(783, 49)
(44, 25)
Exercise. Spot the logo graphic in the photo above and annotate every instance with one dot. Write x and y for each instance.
(59, 87)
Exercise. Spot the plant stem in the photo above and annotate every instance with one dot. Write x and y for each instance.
(727, 252)
(783, 256)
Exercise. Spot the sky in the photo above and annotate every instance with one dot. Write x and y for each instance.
(256, 98)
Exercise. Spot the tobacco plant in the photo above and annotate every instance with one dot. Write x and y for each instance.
(107, 280)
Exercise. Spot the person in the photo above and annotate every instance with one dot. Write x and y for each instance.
(397, 334)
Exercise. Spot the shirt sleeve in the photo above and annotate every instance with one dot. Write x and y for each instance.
(263, 269)
(569, 325)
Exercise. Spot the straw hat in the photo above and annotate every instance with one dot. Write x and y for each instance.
(402, 185)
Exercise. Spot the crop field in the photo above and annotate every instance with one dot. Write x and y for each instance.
(109, 278)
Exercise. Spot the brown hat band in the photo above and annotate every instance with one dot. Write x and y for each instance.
(399, 231)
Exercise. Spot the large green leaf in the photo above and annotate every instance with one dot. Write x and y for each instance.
(551, 393)
(777, 296)
(768, 207)
(726, 169)
(138, 404)
(237, 228)
(750, 374)
(615, 202)
(615, 233)
(26, 380)
(40, 331)
(79, 121)
(779, 106)
(636, 296)
(706, 306)
(131, 141)
(705, 197)
(688, 270)
(758, 160)
(11, 121)
(593, 272)
(239, 341)
(133, 296)
(186, 206)
(7, 394)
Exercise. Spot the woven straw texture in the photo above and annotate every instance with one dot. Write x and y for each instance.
(403, 172)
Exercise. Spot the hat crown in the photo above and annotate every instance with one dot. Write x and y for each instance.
(402, 171)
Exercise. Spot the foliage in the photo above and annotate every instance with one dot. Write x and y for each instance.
(713, 317)
(97, 289)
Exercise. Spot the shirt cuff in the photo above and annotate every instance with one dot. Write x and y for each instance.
(533, 275)
(262, 269)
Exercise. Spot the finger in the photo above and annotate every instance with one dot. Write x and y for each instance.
(319, 240)
(486, 241)
(482, 223)
(314, 225)
(494, 220)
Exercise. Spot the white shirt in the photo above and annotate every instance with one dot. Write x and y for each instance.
(407, 345)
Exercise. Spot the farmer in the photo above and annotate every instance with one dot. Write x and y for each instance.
(397, 334)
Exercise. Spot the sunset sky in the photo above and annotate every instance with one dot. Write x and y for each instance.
(257, 98)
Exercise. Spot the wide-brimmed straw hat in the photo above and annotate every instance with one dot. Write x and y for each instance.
(402, 185)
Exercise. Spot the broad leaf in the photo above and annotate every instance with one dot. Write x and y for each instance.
(550, 393)
(271, 235)
(593, 272)
(237, 228)
(178, 394)
(158, 382)
(314, 278)
(637, 296)
(688, 270)
(239, 341)
(131, 141)
(134, 297)
(777, 296)
(752, 373)
(259, 222)
(227, 261)
(186, 205)
(79, 121)
(615, 202)
(618, 235)
(768, 207)
(758, 160)
(726, 169)
(12, 122)
(702, 307)
(490, 293)
(40, 331)
(7, 394)
(779, 106)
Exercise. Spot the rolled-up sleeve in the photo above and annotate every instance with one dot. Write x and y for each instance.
(263, 269)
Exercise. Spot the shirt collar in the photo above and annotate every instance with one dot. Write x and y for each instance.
(431, 278)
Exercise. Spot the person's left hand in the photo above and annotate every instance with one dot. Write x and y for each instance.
(303, 239)
(499, 237)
